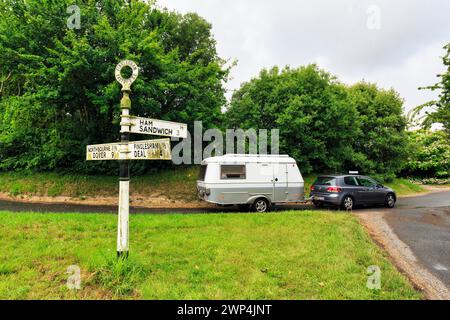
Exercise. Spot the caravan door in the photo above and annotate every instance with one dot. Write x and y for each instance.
(280, 182)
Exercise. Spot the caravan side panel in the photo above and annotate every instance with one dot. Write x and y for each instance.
(296, 185)
(232, 190)
(278, 182)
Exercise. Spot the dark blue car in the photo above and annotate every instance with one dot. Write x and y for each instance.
(348, 191)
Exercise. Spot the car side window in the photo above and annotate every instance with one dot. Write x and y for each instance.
(232, 172)
(351, 181)
(365, 182)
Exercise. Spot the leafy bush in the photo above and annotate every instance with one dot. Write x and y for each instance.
(325, 125)
(435, 181)
(381, 141)
(430, 154)
(58, 90)
(384, 178)
(310, 108)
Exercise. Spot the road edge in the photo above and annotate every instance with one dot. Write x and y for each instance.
(140, 201)
(402, 256)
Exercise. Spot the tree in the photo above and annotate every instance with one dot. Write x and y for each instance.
(441, 112)
(430, 156)
(310, 108)
(325, 125)
(382, 140)
(57, 87)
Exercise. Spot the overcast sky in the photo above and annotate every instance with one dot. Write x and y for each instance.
(392, 43)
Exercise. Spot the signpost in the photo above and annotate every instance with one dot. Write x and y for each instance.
(150, 150)
(157, 127)
(124, 151)
(102, 152)
(139, 150)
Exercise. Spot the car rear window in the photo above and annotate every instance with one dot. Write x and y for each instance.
(325, 181)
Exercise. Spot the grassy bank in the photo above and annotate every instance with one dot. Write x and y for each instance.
(289, 255)
(405, 187)
(176, 184)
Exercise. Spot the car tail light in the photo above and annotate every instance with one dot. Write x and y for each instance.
(311, 188)
(334, 189)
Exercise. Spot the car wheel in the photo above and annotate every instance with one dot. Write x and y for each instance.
(261, 205)
(347, 203)
(389, 202)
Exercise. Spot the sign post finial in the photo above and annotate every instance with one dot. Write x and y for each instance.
(126, 83)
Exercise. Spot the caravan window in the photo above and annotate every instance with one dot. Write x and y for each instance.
(232, 172)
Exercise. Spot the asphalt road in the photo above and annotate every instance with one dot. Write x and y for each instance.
(18, 206)
(423, 223)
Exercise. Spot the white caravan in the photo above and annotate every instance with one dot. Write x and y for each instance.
(258, 181)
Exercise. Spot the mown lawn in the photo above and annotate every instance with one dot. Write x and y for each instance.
(283, 255)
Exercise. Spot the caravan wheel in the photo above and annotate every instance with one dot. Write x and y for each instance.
(261, 205)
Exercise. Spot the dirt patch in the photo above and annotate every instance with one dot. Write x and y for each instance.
(402, 256)
(155, 201)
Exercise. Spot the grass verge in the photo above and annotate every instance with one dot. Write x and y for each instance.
(288, 255)
(404, 187)
(177, 184)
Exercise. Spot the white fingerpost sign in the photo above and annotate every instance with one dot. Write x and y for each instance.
(158, 127)
(150, 150)
(138, 150)
(124, 151)
(103, 152)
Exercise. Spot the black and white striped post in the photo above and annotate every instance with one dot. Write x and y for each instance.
(124, 183)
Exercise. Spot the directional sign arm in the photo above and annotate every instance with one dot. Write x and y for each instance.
(139, 150)
(156, 127)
